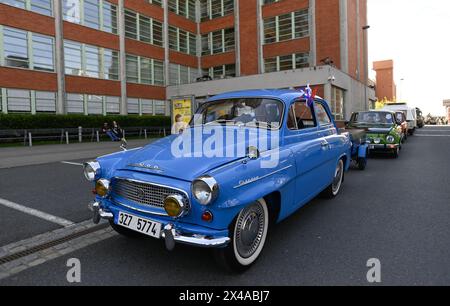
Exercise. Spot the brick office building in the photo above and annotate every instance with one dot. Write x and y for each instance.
(133, 56)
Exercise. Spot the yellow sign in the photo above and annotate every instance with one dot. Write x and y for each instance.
(181, 114)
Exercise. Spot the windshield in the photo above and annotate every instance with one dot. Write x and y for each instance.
(254, 112)
(373, 118)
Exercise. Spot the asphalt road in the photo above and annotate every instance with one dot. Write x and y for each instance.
(397, 211)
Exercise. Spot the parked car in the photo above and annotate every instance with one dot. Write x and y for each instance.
(411, 115)
(225, 202)
(420, 118)
(400, 117)
(383, 132)
(360, 148)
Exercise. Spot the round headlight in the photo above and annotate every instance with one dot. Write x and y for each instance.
(90, 170)
(377, 140)
(174, 205)
(390, 139)
(205, 189)
(102, 188)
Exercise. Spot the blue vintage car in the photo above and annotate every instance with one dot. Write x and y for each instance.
(247, 160)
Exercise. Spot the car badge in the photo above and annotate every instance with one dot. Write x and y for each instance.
(140, 193)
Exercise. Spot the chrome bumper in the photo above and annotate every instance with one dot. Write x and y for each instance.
(169, 233)
(383, 146)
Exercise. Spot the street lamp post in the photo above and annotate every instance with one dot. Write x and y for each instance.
(400, 92)
(366, 65)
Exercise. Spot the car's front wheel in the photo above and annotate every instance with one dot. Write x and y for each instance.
(248, 235)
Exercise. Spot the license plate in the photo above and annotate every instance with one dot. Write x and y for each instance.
(138, 224)
(371, 147)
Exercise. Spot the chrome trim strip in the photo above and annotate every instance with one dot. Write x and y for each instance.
(261, 177)
(140, 210)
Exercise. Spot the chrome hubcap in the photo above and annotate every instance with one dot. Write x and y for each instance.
(249, 230)
(338, 177)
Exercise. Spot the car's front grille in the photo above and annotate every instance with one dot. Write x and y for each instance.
(146, 194)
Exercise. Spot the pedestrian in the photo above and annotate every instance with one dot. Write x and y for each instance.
(107, 130)
(118, 132)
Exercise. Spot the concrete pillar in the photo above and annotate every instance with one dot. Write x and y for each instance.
(343, 13)
(59, 58)
(166, 41)
(237, 37)
(122, 59)
(327, 91)
(312, 33)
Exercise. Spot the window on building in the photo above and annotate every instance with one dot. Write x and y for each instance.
(133, 106)
(43, 53)
(149, 30)
(109, 17)
(132, 68)
(72, 58)
(337, 103)
(72, 11)
(146, 106)
(156, 2)
(75, 103)
(215, 8)
(112, 105)
(17, 52)
(18, 100)
(95, 104)
(286, 62)
(218, 42)
(184, 8)
(15, 48)
(38, 6)
(179, 74)
(92, 55)
(222, 71)
(96, 14)
(286, 27)
(144, 70)
(91, 61)
(91, 13)
(111, 64)
(131, 24)
(182, 41)
(45, 102)
(160, 107)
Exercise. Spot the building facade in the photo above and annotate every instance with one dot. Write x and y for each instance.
(134, 56)
(385, 85)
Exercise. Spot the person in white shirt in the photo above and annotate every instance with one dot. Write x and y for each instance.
(179, 126)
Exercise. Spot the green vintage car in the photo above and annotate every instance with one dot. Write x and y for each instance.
(384, 133)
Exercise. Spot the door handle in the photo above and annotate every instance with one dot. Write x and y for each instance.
(325, 145)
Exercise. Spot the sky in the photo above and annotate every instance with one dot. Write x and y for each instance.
(415, 34)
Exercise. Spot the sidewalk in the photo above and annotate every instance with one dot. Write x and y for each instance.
(26, 156)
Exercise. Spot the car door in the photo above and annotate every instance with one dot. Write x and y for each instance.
(303, 138)
(328, 135)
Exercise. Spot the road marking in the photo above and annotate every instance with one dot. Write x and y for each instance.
(71, 163)
(36, 213)
(430, 135)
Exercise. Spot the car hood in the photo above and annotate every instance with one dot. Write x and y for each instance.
(163, 157)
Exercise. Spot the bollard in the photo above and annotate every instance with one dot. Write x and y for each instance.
(80, 134)
(30, 140)
(164, 132)
(145, 133)
(123, 133)
(67, 137)
(98, 136)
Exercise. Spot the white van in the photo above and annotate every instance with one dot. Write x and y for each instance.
(410, 112)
